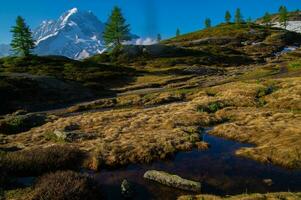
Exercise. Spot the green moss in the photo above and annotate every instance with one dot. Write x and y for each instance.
(294, 65)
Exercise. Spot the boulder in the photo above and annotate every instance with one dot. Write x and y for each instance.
(172, 180)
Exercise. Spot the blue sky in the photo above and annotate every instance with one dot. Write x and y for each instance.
(147, 17)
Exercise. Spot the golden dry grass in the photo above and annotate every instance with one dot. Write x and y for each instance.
(132, 135)
(268, 196)
(128, 136)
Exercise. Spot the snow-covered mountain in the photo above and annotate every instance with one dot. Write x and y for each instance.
(76, 34)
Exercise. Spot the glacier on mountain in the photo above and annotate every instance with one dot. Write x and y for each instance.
(76, 34)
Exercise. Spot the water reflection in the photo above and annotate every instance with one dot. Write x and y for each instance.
(219, 170)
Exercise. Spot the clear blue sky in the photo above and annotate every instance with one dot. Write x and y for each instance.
(147, 17)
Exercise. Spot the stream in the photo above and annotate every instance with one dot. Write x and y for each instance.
(218, 169)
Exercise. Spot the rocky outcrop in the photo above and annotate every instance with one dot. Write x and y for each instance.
(172, 180)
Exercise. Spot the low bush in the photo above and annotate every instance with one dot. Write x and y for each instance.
(212, 107)
(265, 91)
(66, 185)
(37, 161)
(21, 123)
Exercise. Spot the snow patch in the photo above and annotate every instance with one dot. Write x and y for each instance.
(146, 41)
(291, 26)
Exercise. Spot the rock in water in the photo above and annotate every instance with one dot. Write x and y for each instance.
(172, 180)
(126, 189)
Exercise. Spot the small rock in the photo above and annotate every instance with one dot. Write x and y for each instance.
(268, 182)
(173, 180)
(126, 189)
(65, 136)
(20, 112)
(72, 127)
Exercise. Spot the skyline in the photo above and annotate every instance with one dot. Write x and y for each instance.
(146, 17)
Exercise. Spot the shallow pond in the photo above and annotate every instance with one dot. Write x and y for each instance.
(219, 170)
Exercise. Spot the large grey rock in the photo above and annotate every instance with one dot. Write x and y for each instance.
(173, 180)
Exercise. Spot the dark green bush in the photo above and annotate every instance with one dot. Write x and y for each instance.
(212, 107)
(265, 91)
(21, 123)
(37, 161)
(66, 185)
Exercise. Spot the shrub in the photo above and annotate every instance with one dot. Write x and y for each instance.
(212, 107)
(66, 185)
(265, 91)
(21, 123)
(40, 160)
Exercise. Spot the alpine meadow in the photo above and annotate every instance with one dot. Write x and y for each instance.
(150, 100)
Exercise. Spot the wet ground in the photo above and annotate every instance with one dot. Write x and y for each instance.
(218, 169)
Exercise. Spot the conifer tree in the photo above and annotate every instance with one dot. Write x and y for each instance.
(22, 42)
(283, 16)
(249, 22)
(159, 38)
(267, 19)
(208, 23)
(238, 16)
(116, 30)
(178, 32)
(228, 17)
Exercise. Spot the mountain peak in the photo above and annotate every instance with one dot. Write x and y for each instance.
(73, 10)
(67, 15)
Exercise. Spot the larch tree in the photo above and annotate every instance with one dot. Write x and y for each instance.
(238, 16)
(267, 19)
(178, 32)
(22, 42)
(208, 23)
(116, 29)
(249, 22)
(283, 16)
(159, 38)
(228, 17)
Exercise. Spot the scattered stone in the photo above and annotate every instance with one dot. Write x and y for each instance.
(268, 182)
(65, 136)
(126, 189)
(173, 180)
(72, 127)
(71, 136)
(20, 112)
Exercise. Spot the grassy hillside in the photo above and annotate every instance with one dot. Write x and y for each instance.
(292, 16)
(36, 83)
(225, 45)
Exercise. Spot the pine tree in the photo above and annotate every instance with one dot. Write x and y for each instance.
(159, 38)
(22, 42)
(208, 23)
(283, 16)
(238, 16)
(228, 17)
(116, 30)
(178, 32)
(249, 22)
(267, 19)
